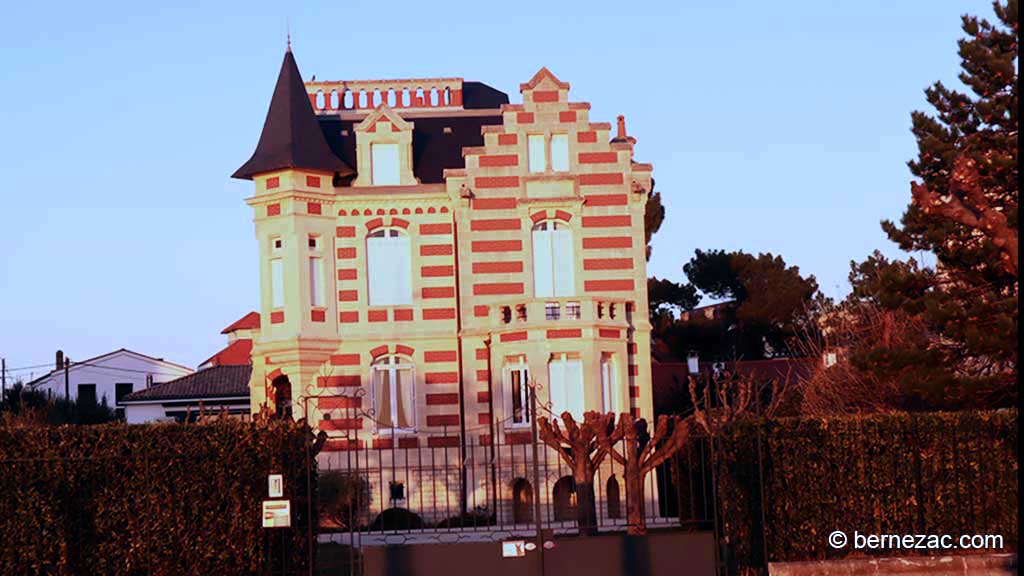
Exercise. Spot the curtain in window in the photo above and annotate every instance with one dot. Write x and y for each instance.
(404, 397)
(382, 397)
(563, 263)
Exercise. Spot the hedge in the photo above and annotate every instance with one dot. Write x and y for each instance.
(937, 473)
(151, 499)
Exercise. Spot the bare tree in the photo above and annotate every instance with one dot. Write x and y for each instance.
(580, 448)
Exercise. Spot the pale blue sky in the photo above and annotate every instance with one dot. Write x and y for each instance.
(779, 127)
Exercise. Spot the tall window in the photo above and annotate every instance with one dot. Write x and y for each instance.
(86, 394)
(553, 262)
(535, 148)
(394, 393)
(609, 384)
(385, 162)
(560, 152)
(276, 283)
(517, 383)
(316, 281)
(565, 382)
(121, 389)
(389, 267)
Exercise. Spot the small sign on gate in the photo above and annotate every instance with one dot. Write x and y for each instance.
(513, 549)
(277, 513)
(275, 485)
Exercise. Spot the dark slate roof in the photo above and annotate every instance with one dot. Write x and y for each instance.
(211, 383)
(432, 150)
(290, 137)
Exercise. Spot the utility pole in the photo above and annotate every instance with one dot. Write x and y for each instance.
(67, 383)
(3, 379)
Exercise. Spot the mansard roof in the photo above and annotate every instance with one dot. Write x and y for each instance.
(292, 136)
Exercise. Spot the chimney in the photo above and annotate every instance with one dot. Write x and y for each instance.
(60, 359)
(621, 128)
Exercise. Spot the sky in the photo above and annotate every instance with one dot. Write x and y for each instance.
(777, 127)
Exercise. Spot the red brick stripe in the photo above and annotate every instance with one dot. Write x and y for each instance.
(607, 285)
(563, 215)
(480, 311)
(348, 317)
(403, 349)
(598, 157)
(498, 288)
(606, 200)
(440, 356)
(341, 424)
(497, 267)
(313, 182)
(377, 315)
(277, 317)
(524, 117)
(436, 250)
(567, 116)
(499, 160)
(442, 420)
(335, 402)
(346, 253)
(483, 396)
(273, 209)
(351, 380)
(507, 139)
(403, 315)
(634, 392)
(586, 137)
(318, 315)
(607, 242)
(504, 203)
(606, 221)
(565, 333)
(607, 263)
(438, 292)
(345, 231)
(348, 295)
(437, 271)
(514, 336)
(481, 354)
(443, 441)
(344, 359)
(379, 351)
(439, 313)
(273, 182)
(497, 245)
(347, 274)
(483, 375)
(545, 96)
(600, 179)
(375, 223)
(609, 333)
(441, 377)
(495, 224)
(430, 229)
(442, 399)
(497, 181)
(313, 208)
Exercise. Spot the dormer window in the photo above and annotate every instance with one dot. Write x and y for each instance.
(538, 157)
(386, 164)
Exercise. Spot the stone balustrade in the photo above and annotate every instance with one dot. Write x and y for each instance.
(410, 94)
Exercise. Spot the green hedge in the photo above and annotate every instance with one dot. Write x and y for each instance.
(150, 499)
(938, 473)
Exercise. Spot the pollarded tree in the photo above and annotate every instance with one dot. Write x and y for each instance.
(640, 453)
(580, 448)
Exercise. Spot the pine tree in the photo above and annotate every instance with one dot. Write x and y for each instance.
(963, 210)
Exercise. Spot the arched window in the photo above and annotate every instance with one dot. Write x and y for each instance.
(522, 501)
(613, 498)
(553, 262)
(389, 267)
(394, 393)
(564, 496)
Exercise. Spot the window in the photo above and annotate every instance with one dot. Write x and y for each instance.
(384, 159)
(609, 384)
(535, 146)
(314, 243)
(394, 399)
(121, 389)
(552, 311)
(553, 262)
(572, 310)
(560, 152)
(565, 382)
(86, 394)
(276, 244)
(517, 382)
(276, 283)
(389, 267)
(316, 282)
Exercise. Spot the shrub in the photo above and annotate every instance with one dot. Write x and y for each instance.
(343, 497)
(159, 499)
(938, 473)
(477, 517)
(396, 519)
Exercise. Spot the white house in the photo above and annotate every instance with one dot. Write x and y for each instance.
(108, 377)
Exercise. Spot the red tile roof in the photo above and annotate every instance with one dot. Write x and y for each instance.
(238, 353)
(250, 321)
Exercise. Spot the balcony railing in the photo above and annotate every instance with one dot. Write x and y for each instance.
(568, 310)
(409, 94)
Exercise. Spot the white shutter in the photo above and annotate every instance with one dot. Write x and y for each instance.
(574, 388)
(535, 145)
(316, 282)
(403, 266)
(376, 263)
(563, 264)
(556, 386)
(560, 152)
(543, 264)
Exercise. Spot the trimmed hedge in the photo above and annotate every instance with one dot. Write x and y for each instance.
(937, 473)
(151, 499)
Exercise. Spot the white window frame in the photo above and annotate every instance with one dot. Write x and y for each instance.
(277, 283)
(560, 152)
(389, 284)
(536, 153)
(511, 369)
(316, 282)
(392, 365)
(554, 264)
(386, 163)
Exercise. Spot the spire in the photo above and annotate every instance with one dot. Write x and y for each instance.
(291, 135)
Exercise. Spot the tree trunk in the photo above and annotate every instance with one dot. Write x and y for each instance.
(635, 521)
(586, 508)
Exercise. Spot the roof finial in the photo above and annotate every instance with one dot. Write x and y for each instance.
(289, 33)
